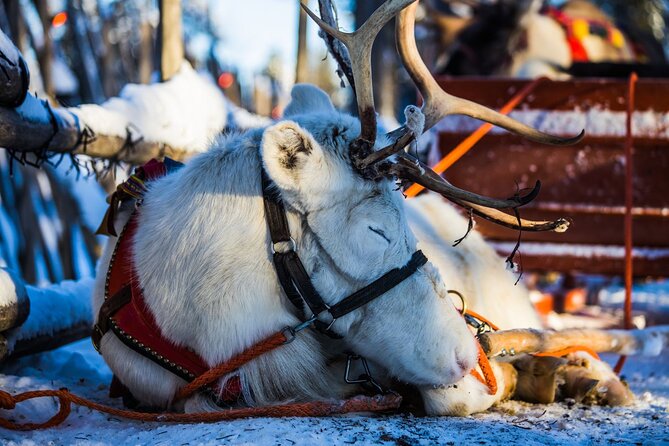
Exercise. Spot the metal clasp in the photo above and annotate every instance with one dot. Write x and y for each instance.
(276, 247)
(481, 327)
(291, 332)
(366, 378)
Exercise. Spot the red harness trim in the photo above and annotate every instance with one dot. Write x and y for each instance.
(578, 51)
(134, 323)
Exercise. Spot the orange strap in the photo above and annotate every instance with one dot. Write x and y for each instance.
(475, 137)
(488, 377)
(481, 318)
(572, 349)
(211, 375)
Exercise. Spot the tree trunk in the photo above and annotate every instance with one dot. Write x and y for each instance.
(45, 53)
(170, 38)
(302, 67)
(86, 65)
(145, 52)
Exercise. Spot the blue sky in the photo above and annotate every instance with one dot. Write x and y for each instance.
(254, 29)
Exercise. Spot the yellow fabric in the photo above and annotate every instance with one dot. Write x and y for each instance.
(617, 38)
(580, 28)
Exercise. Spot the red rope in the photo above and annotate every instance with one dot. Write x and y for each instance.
(629, 202)
(311, 409)
(211, 375)
(488, 379)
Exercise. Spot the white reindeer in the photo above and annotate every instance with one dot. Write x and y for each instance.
(203, 258)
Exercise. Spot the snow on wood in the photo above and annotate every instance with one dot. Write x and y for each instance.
(14, 302)
(580, 250)
(648, 342)
(175, 118)
(59, 314)
(596, 121)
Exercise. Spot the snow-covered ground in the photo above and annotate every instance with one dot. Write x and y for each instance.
(79, 368)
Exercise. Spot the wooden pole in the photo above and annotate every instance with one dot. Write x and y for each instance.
(648, 342)
(145, 52)
(302, 65)
(170, 38)
(16, 77)
(45, 53)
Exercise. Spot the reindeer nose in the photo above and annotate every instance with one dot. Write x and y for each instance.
(465, 361)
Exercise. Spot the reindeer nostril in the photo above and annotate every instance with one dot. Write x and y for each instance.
(465, 362)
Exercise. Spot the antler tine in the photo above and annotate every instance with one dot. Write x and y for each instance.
(359, 44)
(513, 222)
(438, 103)
(413, 170)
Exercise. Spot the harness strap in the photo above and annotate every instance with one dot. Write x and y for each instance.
(295, 280)
(290, 270)
(380, 286)
(109, 307)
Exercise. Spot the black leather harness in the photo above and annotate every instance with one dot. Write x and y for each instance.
(295, 280)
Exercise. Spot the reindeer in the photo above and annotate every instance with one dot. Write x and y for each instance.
(522, 39)
(202, 253)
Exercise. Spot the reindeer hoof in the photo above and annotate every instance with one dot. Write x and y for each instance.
(615, 393)
(537, 378)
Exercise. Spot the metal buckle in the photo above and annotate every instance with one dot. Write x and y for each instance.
(292, 247)
(291, 332)
(481, 327)
(366, 378)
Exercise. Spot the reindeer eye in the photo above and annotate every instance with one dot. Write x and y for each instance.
(379, 232)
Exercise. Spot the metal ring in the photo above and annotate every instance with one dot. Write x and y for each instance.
(293, 246)
(463, 310)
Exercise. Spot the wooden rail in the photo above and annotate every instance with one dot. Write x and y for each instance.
(585, 182)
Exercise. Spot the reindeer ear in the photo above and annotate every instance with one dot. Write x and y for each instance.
(286, 149)
(307, 98)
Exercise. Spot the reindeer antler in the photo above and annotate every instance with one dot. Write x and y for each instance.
(437, 104)
(359, 44)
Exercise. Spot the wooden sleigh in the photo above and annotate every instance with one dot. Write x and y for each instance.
(585, 182)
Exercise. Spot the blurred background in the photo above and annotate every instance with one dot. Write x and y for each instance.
(84, 51)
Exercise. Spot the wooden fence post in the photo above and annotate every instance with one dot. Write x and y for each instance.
(170, 38)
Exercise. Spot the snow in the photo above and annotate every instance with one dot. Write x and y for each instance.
(580, 250)
(186, 112)
(596, 121)
(79, 368)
